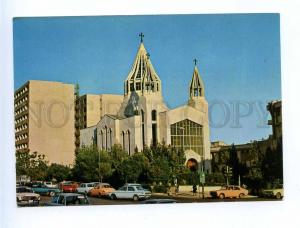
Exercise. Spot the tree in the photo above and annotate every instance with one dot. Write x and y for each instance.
(105, 165)
(86, 164)
(32, 165)
(238, 169)
(272, 164)
(58, 172)
(133, 167)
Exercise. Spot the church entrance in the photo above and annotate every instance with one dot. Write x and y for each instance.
(192, 164)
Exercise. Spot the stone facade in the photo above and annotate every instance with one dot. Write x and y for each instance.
(44, 120)
(143, 118)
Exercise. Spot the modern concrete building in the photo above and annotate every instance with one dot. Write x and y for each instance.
(143, 118)
(93, 107)
(44, 120)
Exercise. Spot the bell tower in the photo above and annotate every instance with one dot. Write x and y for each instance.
(197, 91)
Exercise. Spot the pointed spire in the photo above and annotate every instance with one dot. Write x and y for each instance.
(196, 85)
(142, 77)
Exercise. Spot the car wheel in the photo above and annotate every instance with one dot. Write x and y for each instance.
(242, 195)
(113, 197)
(51, 194)
(278, 195)
(221, 196)
(135, 198)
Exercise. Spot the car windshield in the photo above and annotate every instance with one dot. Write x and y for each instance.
(24, 190)
(139, 188)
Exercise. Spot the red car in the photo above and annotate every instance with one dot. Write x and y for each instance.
(68, 186)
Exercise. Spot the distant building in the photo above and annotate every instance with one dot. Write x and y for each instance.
(143, 118)
(252, 152)
(44, 120)
(93, 107)
(274, 108)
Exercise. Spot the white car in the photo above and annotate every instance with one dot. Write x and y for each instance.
(130, 191)
(26, 197)
(274, 193)
(84, 188)
(49, 184)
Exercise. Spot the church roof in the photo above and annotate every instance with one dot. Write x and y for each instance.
(142, 67)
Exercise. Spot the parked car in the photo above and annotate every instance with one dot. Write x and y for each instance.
(159, 201)
(68, 186)
(276, 192)
(26, 196)
(68, 199)
(50, 184)
(130, 191)
(42, 189)
(84, 188)
(101, 189)
(230, 191)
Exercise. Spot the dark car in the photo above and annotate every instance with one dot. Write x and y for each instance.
(68, 199)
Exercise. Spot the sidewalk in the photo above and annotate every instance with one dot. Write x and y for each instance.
(183, 195)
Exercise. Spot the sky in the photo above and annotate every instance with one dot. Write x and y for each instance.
(238, 59)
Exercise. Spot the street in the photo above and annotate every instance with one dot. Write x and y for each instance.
(179, 199)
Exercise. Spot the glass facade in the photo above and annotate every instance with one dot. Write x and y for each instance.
(187, 135)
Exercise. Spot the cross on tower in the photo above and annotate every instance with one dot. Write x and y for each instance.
(142, 36)
(195, 61)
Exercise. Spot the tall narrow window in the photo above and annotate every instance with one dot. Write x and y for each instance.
(143, 127)
(102, 139)
(154, 134)
(123, 139)
(154, 128)
(153, 114)
(110, 137)
(106, 137)
(128, 132)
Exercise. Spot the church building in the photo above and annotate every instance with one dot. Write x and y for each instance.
(143, 118)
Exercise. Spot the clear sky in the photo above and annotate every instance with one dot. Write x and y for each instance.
(238, 58)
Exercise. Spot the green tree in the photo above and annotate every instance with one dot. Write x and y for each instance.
(105, 165)
(86, 166)
(58, 172)
(272, 164)
(32, 165)
(133, 167)
(238, 169)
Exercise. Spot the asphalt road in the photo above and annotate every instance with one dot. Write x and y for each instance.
(105, 201)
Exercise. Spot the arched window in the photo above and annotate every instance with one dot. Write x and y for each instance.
(153, 115)
(128, 134)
